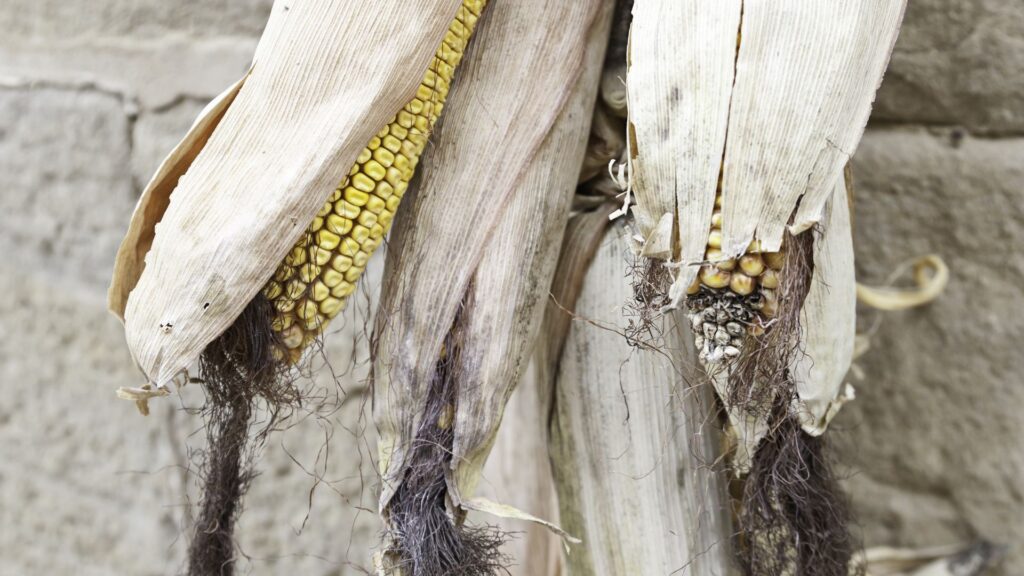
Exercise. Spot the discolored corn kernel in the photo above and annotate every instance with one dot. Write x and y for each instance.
(713, 277)
(742, 284)
(752, 264)
(770, 279)
(292, 337)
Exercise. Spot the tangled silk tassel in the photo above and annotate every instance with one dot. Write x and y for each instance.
(239, 369)
(427, 539)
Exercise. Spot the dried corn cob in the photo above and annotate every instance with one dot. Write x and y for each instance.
(314, 282)
(732, 298)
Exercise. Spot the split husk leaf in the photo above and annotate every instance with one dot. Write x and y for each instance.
(235, 195)
(785, 108)
(472, 254)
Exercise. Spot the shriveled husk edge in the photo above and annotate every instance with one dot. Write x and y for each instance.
(633, 446)
(786, 113)
(259, 164)
(473, 251)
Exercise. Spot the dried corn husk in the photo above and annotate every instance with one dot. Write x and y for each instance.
(928, 286)
(793, 100)
(955, 560)
(482, 230)
(259, 164)
(518, 473)
(828, 334)
(633, 448)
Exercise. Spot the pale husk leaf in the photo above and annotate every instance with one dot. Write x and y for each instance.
(130, 260)
(632, 446)
(484, 225)
(682, 58)
(785, 113)
(828, 322)
(313, 99)
(806, 77)
(518, 473)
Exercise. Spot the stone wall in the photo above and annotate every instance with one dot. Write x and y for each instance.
(92, 95)
(934, 441)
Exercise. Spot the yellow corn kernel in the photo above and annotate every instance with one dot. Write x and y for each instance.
(775, 260)
(331, 277)
(327, 240)
(357, 197)
(742, 284)
(713, 277)
(752, 264)
(716, 257)
(312, 284)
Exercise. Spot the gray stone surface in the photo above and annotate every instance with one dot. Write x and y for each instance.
(66, 195)
(934, 438)
(958, 62)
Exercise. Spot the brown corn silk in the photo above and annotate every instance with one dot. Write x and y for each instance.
(496, 207)
(237, 210)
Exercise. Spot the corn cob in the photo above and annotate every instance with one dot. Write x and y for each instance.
(314, 282)
(732, 298)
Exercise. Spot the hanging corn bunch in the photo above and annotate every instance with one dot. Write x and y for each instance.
(226, 269)
(743, 114)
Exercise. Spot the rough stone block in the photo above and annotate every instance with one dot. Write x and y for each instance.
(58, 20)
(940, 412)
(958, 62)
(67, 195)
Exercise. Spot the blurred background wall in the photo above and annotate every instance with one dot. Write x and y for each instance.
(93, 94)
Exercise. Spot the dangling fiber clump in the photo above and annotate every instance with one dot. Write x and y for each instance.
(794, 519)
(426, 539)
(241, 367)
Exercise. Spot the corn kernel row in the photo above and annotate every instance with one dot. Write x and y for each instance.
(314, 282)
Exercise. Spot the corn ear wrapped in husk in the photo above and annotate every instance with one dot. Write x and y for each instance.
(473, 252)
(259, 164)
